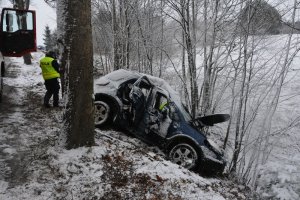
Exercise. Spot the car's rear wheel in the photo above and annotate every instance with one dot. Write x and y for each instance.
(103, 114)
(184, 154)
(1, 89)
(2, 69)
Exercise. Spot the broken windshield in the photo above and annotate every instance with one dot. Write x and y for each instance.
(186, 115)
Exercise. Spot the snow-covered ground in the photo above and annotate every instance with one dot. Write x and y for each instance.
(35, 166)
(280, 176)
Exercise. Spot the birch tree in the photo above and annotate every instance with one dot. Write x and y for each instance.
(186, 11)
(137, 34)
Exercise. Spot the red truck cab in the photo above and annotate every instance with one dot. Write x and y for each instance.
(17, 35)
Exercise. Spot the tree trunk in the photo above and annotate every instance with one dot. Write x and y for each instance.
(24, 5)
(186, 27)
(161, 39)
(183, 64)
(79, 113)
(208, 59)
(116, 43)
(128, 36)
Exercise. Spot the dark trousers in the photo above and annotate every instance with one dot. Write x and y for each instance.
(52, 87)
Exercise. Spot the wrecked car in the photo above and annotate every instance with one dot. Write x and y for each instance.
(152, 111)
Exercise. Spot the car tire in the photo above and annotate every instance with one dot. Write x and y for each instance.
(184, 154)
(1, 89)
(2, 69)
(103, 114)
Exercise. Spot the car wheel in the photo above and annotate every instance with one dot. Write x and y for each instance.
(185, 155)
(2, 69)
(103, 113)
(1, 89)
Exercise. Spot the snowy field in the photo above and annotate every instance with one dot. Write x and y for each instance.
(35, 166)
(279, 177)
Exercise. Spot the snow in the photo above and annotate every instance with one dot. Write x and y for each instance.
(119, 165)
(35, 166)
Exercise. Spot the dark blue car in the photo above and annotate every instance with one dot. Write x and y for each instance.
(152, 111)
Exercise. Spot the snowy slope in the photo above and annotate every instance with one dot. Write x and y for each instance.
(35, 166)
(280, 176)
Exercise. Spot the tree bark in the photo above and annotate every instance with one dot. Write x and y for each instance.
(79, 112)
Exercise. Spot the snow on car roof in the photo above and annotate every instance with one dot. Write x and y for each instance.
(122, 74)
(117, 77)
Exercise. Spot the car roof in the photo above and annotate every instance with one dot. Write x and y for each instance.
(122, 75)
(118, 77)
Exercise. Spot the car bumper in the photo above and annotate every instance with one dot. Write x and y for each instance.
(211, 162)
(212, 166)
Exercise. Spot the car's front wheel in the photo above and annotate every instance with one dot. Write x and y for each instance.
(103, 113)
(185, 155)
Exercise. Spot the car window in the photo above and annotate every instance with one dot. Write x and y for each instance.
(146, 92)
(185, 113)
(173, 112)
(145, 85)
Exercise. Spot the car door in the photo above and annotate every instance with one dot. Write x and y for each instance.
(156, 118)
(138, 99)
(137, 105)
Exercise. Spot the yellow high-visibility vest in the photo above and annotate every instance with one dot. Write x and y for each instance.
(48, 70)
(161, 107)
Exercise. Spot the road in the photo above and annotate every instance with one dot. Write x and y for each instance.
(21, 120)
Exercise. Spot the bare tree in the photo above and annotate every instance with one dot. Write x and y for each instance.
(186, 10)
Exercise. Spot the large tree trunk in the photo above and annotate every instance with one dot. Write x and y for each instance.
(79, 113)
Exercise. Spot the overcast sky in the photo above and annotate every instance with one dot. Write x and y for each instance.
(45, 15)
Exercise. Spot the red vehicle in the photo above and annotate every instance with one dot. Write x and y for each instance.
(17, 36)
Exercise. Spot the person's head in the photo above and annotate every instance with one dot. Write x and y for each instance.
(51, 54)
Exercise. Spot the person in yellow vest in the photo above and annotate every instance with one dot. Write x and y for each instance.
(50, 72)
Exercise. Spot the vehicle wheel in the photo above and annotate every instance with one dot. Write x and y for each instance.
(2, 69)
(185, 155)
(1, 89)
(103, 114)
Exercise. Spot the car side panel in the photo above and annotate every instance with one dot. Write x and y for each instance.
(184, 129)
